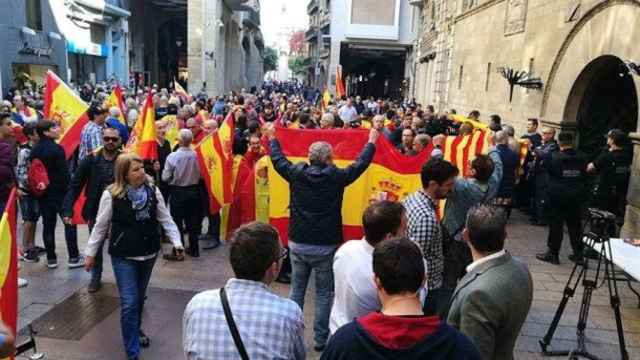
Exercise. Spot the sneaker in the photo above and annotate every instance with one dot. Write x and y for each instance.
(22, 282)
(76, 262)
(94, 285)
(31, 256)
(144, 340)
(548, 257)
(52, 263)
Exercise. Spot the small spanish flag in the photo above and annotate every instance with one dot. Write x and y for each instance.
(9, 265)
(144, 140)
(115, 99)
(64, 107)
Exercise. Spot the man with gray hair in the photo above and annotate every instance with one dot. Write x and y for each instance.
(492, 301)
(182, 173)
(315, 221)
(326, 121)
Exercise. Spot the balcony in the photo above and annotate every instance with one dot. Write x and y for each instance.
(312, 7)
(311, 34)
(325, 19)
(325, 53)
(418, 3)
(251, 19)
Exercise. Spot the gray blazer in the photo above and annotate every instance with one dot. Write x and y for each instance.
(491, 303)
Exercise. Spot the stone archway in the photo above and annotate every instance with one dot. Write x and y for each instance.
(603, 97)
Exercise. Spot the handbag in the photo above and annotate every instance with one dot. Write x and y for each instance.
(232, 325)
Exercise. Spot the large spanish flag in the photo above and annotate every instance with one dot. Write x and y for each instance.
(216, 167)
(9, 265)
(391, 175)
(143, 139)
(115, 99)
(66, 108)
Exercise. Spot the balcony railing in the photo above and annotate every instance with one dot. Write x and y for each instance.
(325, 19)
(311, 33)
(312, 7)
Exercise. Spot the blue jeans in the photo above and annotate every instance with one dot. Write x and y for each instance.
(132, 278)
(301, 266)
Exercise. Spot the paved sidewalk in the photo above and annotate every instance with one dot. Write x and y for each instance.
(173, 284)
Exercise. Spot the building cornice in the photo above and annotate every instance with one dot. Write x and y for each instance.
(477, 9)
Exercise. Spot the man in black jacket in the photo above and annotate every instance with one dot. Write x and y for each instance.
(566, 191)
(315, 222)
(95, 172)
(53, 157)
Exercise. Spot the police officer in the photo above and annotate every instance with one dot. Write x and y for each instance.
(542, 155)
(613, 168)
(566, 189)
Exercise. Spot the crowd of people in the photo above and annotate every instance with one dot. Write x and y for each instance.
(417, 285)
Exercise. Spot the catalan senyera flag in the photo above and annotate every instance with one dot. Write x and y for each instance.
(391, 175)
(340, 91)
(9, 265)
(115, 99)
(144, 140)
(65, 107)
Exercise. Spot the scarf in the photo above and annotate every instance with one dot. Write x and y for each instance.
(139, 198)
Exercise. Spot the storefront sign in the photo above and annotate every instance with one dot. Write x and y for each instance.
(87, 48)
(35, 51)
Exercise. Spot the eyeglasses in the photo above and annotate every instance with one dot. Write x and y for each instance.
(110, 139)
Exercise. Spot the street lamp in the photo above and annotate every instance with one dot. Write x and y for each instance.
(519, 78)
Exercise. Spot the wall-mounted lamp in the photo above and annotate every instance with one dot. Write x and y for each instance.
(519, 78)
(54, 36)
(27, 31)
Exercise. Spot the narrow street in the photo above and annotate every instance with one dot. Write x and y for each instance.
(75, 325)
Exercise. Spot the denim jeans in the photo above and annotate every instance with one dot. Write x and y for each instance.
(50, 208)
(132, 278)
(96, 271)
(301, 266)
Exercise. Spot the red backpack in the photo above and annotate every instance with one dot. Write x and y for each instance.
(38, 178)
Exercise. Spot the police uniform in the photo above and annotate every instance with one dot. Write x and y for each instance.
(543, 155)
(566, 190)
(614, 169)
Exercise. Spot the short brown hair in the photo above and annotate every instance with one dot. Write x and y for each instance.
(254, 247)
(483, 165)
(381, 218)
(399, 264)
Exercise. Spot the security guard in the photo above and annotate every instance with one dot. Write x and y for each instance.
(613, 168)
(566, 191)
(542, 156)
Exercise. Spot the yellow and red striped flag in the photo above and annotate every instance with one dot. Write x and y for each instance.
(115, 99)
(476, 124)
(65, 108)
(143, 140)
(340, 91)
(9, 265)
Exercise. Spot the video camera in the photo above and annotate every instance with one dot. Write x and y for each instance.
(601, 223)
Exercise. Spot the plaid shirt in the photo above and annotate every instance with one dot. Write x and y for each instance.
(271, 327)
(90, 139)
(424, 230)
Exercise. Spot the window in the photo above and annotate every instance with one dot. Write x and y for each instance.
(486, 84)
(97, 34)
(34, 14)
(460, 77)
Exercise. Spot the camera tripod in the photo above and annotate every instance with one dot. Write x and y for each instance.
(601, 222)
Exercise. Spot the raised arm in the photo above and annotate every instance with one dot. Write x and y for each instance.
(280, 162)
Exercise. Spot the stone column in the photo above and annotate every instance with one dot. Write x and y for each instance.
(631, 227)
(202, 22)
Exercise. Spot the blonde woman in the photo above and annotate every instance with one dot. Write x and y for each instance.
(134, 210)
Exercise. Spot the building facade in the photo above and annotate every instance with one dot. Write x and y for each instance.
(372, 42)
(570, 63)
(32, 41)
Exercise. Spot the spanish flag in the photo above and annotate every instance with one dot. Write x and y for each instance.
(216, 167)
(326, 99)
(340, 91)
(64, 107)
(144, 140)
(172, 129)
(115, 99)
(391, 175)
(9, 265)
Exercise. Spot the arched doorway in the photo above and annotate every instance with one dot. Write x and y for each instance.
(172, 52)
(603, 97)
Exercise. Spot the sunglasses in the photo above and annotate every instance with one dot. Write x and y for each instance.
(110, 139)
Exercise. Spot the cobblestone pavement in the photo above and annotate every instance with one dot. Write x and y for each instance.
(173, 284)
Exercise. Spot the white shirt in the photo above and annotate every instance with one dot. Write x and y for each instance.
(355, 293)
(103, 223)
(483, 260)
(348, 113)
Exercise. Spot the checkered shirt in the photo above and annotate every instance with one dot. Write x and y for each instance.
(424, 230)
(90, 139)
(271, 327)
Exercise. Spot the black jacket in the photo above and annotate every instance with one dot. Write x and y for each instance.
(54, 159)
(316, 195)
(93, 174)
(567, 175)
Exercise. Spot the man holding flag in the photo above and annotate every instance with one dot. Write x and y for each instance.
(315, 223)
